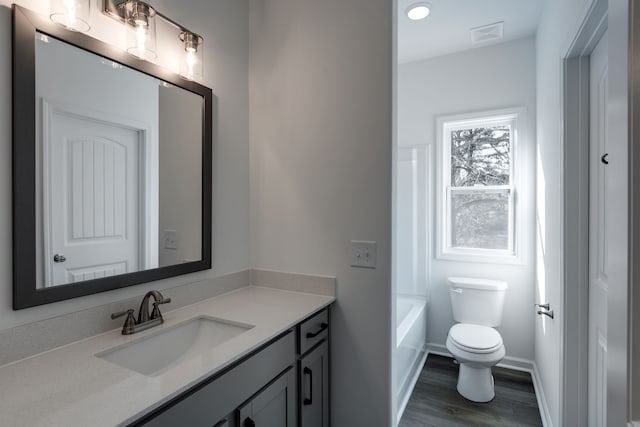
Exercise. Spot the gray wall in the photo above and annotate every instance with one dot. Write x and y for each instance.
(320, 84)
(490, 78)
(224, 25)
(180, 175)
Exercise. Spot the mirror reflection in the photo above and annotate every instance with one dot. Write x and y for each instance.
(119, 187)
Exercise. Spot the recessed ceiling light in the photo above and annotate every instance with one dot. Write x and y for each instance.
(418, 11)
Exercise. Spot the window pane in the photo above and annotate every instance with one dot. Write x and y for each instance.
(480, 220)
(480, 156)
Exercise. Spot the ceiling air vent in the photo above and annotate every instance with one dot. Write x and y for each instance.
(487, 33)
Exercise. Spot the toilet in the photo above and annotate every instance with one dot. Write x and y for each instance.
(477, 307)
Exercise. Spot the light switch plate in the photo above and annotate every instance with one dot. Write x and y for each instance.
(170, 239)
(363, 254)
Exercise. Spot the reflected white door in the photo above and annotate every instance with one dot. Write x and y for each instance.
(600, 215)
(92, 188)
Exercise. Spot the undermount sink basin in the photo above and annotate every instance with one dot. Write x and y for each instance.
(158, 352)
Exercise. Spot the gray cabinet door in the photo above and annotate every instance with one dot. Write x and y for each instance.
(314, 387)
(274, 406)
(212, 402)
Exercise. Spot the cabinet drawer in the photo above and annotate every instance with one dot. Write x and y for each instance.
(219, 397)
(313, 330)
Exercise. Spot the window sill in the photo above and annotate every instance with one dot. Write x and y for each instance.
(479, 257)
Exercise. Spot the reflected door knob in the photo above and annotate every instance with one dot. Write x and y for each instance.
(59, 258)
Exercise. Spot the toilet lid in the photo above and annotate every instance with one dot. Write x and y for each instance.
(475, 338)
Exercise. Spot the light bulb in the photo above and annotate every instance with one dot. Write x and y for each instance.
(141, 38)
(70, 5)
(191, 62)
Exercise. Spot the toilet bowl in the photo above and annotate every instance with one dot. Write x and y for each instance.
(476, 348)
(477, 305)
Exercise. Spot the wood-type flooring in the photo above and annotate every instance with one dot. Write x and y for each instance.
(435, 401)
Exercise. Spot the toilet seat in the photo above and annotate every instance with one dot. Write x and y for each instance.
(476, 339)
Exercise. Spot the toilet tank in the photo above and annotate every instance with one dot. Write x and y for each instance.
(477, 301)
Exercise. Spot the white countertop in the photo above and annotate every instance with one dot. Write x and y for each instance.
(70, 386)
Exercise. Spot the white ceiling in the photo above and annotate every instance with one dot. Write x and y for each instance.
(446, 29)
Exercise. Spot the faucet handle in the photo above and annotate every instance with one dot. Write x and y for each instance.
(155, 314)
(129, 323)
(122, 313)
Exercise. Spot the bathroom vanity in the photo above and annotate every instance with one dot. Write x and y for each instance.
(261, 389)
(273, 373)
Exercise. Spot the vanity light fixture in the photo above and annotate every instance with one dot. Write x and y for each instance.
(141, 29)
(191, 67)
(140, 20)
(71, 14)
(418, 11)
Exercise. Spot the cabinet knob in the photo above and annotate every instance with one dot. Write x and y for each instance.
(59, 258)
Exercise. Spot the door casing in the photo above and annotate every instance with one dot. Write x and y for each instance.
(574, 340)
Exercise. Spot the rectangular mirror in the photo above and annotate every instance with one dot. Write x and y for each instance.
(111, 167)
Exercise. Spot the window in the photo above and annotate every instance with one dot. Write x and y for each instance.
(477, 193)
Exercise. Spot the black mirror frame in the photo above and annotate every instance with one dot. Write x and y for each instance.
(25, 294)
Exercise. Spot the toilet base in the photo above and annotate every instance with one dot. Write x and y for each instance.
(475, 384)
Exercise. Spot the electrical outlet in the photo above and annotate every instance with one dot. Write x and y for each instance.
(170, 239)
(363, 254)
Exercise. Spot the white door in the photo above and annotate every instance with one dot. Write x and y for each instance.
(599, 224)
(92, 189)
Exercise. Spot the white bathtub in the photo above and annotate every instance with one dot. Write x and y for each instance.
(411, 334)
(408, 311)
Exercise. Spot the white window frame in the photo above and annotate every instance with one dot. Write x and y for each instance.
(514, 117)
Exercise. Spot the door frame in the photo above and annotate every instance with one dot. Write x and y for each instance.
(633, 350)
(148, 181)
(575, 326)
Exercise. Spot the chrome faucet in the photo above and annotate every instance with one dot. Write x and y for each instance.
(145, 321)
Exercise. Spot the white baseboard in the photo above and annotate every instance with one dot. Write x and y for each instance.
(438, 349)
(542, 400)
(517, 364)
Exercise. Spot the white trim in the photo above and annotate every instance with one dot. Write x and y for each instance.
(517, 117)
(543, 407)
(575, 305)
(413, 381)
(47, 225)
(509, 362)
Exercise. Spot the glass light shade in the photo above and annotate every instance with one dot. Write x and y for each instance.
(71, 14)
(141, 30)
(191, 67)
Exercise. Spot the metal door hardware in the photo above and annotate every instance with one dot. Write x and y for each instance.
(544, 309)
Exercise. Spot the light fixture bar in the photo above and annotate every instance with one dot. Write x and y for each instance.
(114, 9)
